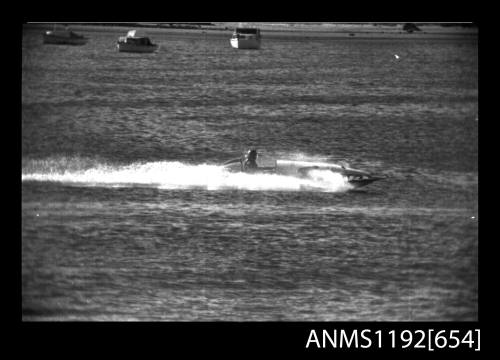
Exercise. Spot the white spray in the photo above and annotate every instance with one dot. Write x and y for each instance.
(178, 175)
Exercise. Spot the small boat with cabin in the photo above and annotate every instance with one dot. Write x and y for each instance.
(246, 38)
(63, 36)
(136, 42)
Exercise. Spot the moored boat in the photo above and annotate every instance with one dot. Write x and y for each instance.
(63, 36)
(137, 43)
(246, 38)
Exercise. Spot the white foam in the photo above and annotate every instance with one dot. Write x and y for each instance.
(177, 175)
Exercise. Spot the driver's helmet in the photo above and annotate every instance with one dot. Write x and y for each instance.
(252, 154)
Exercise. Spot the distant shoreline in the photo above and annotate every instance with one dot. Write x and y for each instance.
(320, 30)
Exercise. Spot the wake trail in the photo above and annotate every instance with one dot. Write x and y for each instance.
(173, 175)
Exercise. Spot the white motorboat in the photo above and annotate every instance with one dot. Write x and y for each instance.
(137, 43)
(246, 38)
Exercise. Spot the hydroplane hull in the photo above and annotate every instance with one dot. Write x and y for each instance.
(302, 169)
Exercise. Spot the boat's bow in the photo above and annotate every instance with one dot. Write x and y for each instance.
(363, 181)
(355, 177)
(359, 178)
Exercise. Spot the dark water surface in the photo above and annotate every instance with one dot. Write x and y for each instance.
(128, 215)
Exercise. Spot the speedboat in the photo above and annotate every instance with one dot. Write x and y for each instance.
(137, 43)
(246, 38)
(302, 169)
(63, 37)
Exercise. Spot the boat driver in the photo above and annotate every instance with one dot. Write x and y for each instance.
(250, 161)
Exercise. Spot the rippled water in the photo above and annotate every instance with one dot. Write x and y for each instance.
(128, 215)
